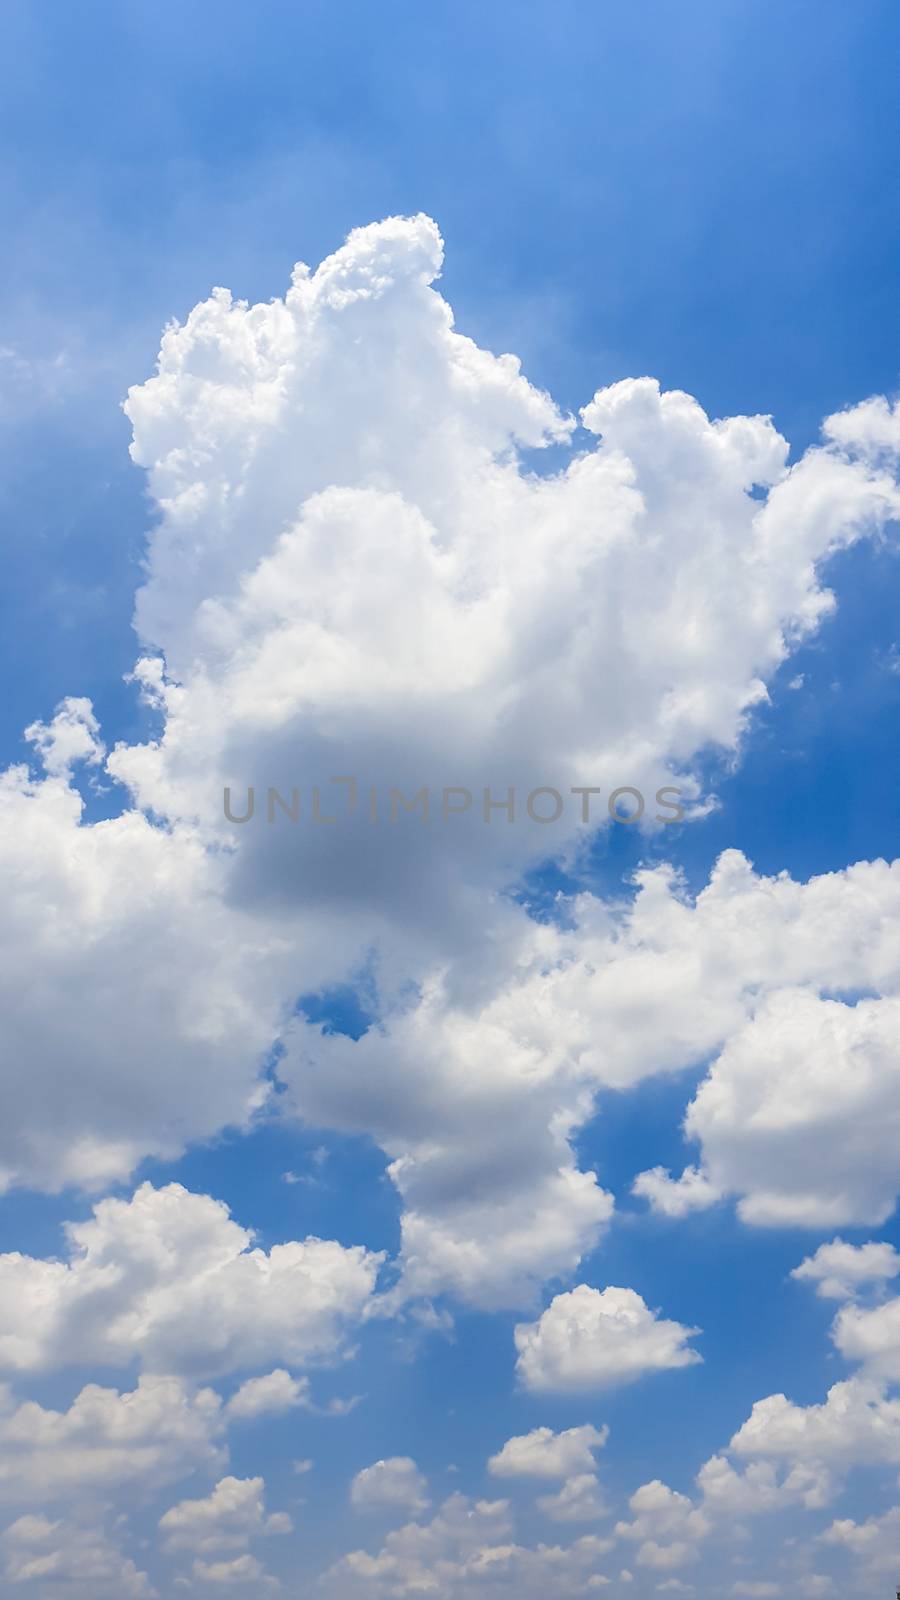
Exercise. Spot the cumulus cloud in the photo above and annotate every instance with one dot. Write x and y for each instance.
(840, 1270)
(676, 1197)
(159, 1432)
(475, 1085)
(227, 1519)
(333, 589)
(468, 1549)
(133, 1003)
(395, 1483)
(593, 1339)
(579, 1500)
(245, 1572)
(871, 1337)
(759, 1488)
(665, 1526)
(353, 572)
(775, 1102)
(875, 1543)
(169, 1278)
(278, 1391)
(545, 1454)
(72, 737)
(855, 1423)
(71, 1560)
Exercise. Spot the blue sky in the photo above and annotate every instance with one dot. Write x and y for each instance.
(706, 193)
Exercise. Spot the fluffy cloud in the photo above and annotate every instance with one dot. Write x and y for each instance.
(871, 1337)
(593, 1339)
(69, 1560)
(839, 1270)
(293, 493)
(758, 1488)
(875, 1543)
(676, 1197)
(468, 1550)
(338, 590)
(159, 1432)
(545, 1454)
(133, 1002)
(395, 1483)
(278, 1391)
(665, 1525)
(475, 1085)
(245, 1572)
(579, 1500)
(856, 1423)
(778, 1103)
(169, 1278)
(227, 1519)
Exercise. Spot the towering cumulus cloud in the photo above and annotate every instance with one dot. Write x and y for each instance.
(361, 586)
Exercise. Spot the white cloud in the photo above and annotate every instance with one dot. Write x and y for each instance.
(293, 495)
(68, 1559)
(871, 1337)
(160, 1431)
(839, 1270)
(468, 1549)
(593, 1339)
(244, 1569)
(545, 1454)
(676, 1197)
(227, 1519)
(170, 1278)
(395, 1483)
(774, 1112)
(855, 1423)
(579, 1500)
(73, 736)
(475, 1087)
(276, 1392)
(666, 1526)
(874, 1543)
(759, 1489)
(134, 1003)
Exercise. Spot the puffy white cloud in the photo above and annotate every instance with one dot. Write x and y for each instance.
(666, 1526)
(160, 1431)
(168, 1277)
(475, 1114)
(467, 1549)
(227, 1519)
(475, 1085)
(875, 1544)
(839, 1270)
(134, 1002)
(72, 737)
(676, 1197)
(594, 1339)
(871, 1337)
(545, 1454)
(69, 1559)
(239, 1570)
(759, 1488)
(395, 1483)
(855, 1423)
(579, 1500)
(337, 589)
(275, 1392)
(774, 1112)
